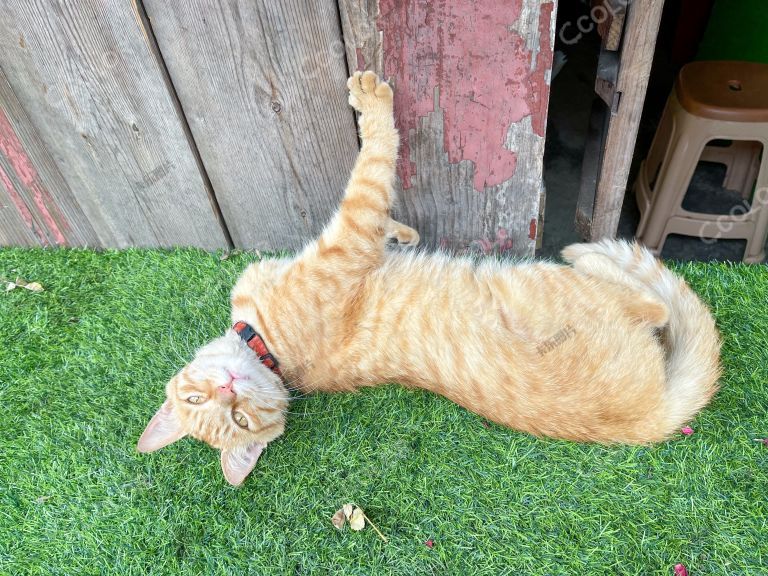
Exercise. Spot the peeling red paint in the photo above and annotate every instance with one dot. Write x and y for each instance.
(482, 70)
(501, 243)
(13, 150)
(532, 229)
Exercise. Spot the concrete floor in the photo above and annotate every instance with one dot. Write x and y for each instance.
(571, 96)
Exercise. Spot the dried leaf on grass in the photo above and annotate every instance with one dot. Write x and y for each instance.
(356, 518)
(338, 519)
(21, 283)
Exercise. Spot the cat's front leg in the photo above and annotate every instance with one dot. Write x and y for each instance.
(362, 225)
(373, 99)
(374, 171)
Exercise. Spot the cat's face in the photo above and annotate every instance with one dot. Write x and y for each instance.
(227, 398)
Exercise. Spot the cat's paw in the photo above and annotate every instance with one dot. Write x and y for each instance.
(367, 93)
(402, 234)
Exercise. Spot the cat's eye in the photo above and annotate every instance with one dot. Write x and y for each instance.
(240, 419)
(195, 399)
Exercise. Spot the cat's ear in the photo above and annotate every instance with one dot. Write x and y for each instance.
(164, 428)
(237, 464)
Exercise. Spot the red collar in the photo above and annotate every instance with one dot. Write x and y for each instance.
(256, 343)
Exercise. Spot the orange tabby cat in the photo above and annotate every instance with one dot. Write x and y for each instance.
(614, 348)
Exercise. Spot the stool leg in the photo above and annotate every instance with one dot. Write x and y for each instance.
(755, 251)
(647, 177)
(742, 169)
(671, 186)
(755, 161)
(660, 145)
(643, 198)
(737, 159)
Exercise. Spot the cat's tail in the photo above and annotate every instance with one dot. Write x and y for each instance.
(690, 338)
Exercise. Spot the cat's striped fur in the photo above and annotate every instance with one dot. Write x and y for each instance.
(614, 348)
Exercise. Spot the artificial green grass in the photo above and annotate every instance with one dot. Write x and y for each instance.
(82, 369)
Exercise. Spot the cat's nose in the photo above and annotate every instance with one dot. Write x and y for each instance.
(226, 389)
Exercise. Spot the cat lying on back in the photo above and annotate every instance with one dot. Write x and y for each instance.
(614, 348)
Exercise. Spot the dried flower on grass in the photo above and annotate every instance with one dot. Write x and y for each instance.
(356, 518)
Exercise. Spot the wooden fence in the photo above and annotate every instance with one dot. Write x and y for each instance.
(220, 124)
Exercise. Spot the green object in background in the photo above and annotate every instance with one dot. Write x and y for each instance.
(737, 30)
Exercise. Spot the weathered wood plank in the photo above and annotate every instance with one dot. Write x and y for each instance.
(642, 26)
(38, 199)
(471, 94)
(95, 93)
(15, 220)
(263, 86)
(599, 119)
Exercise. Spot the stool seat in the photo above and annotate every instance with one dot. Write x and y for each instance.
(724, 90)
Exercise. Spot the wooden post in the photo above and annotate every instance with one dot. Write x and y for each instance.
(639, 43)
(471, 93)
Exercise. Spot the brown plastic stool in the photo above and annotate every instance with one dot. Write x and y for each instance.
(710, 101)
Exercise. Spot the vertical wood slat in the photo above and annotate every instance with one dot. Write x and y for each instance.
(471, 94)
(263, 87)
(639, 43)
(90, 84)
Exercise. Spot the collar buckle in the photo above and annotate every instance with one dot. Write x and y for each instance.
(255, 342)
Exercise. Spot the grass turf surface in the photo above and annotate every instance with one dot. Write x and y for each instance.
(82, 369)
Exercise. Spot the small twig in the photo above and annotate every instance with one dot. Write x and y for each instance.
(374, 526)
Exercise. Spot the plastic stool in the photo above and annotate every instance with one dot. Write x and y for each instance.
(710, 101)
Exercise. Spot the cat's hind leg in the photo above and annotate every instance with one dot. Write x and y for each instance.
(631, 258)
(640, 302)
(602, 266)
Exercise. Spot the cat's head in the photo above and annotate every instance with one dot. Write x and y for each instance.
(227, 398)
